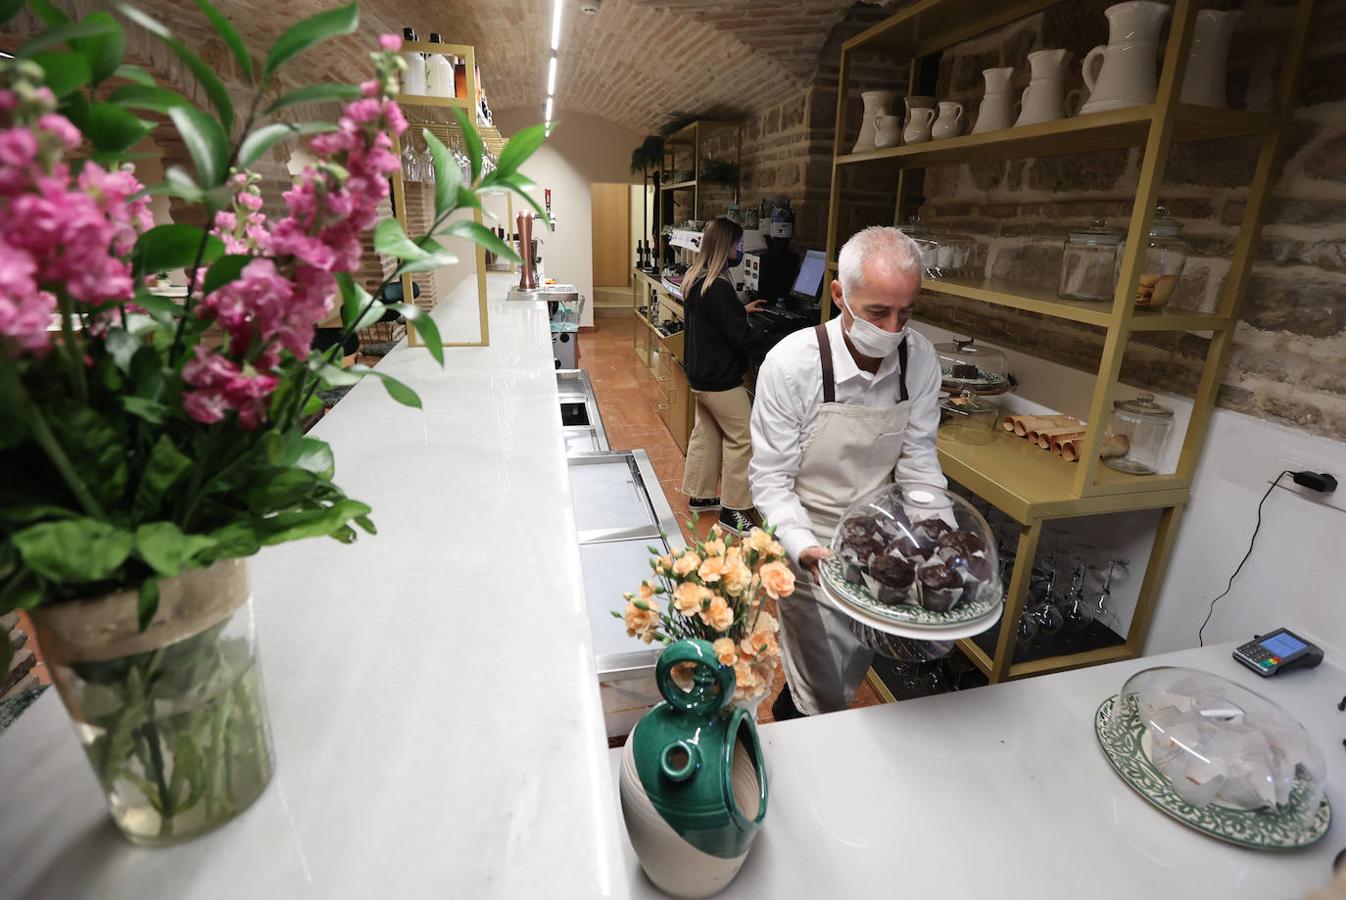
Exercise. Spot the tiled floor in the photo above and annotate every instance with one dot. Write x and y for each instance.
(628, 398)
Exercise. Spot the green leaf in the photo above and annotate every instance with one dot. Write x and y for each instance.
(112, 129)
(425, 326)
(333, 376)
(167, 247)
(427, 263)
(63, 71)
(206, 142)
(8, 9)
(147, 602)
(316, 93)
(294, 526)
(448, 177)
(519, 184)
(225, 270)
(156, 305)
(122, 345)
(355, 302)
(235, 540)
(143, 408)
(104, 52)
(135, 74)
(521, 146)
(48, 13)
(74, 551)
(92, 26)
(164, 467)
(304, 34)
(225, 29)
(178, 182)
(210, 82)
(366, 524)
(478, 233)
(392, 240)
(316, 456)
(261, 140)
(140, 96)
(312, 406)
(473, 140)
(397, 390)
(166, 550)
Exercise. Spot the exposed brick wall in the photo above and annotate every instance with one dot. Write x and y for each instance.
(1288, 361)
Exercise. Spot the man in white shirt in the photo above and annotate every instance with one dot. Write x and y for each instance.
(840, 410)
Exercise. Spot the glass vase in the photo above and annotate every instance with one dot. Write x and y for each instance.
(172, 718)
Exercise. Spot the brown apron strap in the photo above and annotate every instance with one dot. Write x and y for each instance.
(825, 357)
(902, 364)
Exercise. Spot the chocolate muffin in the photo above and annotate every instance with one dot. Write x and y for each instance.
(931, 528)
(891, 580)
(941, 587)
(912, 547)
(862, 536)
(966, 371)
(962, 543)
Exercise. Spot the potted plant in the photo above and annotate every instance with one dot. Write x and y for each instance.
(153, 444)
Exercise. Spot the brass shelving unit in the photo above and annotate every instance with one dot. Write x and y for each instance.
(662, 354)
(690, 138)
(432, 113)
(1028, 485)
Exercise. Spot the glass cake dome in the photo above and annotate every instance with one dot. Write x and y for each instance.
(914, 561)
(966, 365)
(1221, 747)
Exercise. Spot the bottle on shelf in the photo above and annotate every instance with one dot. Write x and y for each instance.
(640, 256)
(413, 79)
(439, 80)
(460, 77)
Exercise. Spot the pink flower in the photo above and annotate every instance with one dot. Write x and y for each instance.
(218, 385)
(391, 42)
(60, 127)
(8, 102)
(18, 147)
(226, 221)
(24, 319)
(16, 272)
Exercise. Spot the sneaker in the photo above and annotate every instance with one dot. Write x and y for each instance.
(702, 504)
(740, 521)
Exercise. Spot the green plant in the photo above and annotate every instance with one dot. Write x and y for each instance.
(719, 171)
(648, 155)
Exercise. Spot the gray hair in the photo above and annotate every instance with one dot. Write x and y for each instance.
(898, 251)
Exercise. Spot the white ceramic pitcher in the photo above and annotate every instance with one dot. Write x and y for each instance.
(887, 131)
(1204, 83)
(1122, 73)
(1044, 100)
(877, 103)
(997, 104)
(919, 120)
(950, 121)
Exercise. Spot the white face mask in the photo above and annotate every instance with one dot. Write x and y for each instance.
(870, 339)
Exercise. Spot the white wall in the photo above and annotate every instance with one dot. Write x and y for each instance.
(580, 151)
(1297, 574)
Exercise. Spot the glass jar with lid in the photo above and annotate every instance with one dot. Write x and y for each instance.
(1089, 262)
(943, 254)
(1136, 436)
(964, 365)
(968, 419)
(1163, 264)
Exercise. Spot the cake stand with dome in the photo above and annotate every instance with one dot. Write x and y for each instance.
(1217, 757)
(912, 564)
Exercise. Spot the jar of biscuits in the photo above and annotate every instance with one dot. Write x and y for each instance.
(1164, 260)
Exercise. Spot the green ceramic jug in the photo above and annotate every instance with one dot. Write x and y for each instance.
(693, 784)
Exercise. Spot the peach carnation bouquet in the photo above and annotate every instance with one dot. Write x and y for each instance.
(714, 591)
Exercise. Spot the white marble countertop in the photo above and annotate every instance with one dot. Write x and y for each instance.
(432, 689)
(1003, 792)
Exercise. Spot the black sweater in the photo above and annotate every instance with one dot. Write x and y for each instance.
(718, 337)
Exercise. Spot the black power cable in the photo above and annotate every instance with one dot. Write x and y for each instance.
(1200, 635)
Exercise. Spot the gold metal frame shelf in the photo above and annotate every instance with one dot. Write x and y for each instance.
(1022, 481)
(690, 137)
(444, 129)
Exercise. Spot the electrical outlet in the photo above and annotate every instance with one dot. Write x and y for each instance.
(1295, 464)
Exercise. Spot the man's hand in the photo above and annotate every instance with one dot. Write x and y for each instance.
(809, 558)
(755, 306)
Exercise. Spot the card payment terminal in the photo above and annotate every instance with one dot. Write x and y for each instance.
(1268, 654)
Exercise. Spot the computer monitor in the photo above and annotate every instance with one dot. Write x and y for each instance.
(810, 277)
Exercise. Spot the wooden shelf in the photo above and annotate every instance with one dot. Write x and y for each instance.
(1030, 484)
(679, 186)
(1047, 303)
(1127, 127)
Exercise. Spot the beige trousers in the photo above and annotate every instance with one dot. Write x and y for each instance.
(720, 448)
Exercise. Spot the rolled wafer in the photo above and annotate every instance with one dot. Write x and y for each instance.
(1007, 423)
(1070, 449)
(1046, 436)
(1113, 445)
(1036, 433)
(1060, 439)
(1025, 424)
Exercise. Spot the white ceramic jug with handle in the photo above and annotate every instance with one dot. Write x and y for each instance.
(950, 121)
(997, 104)
(1122, 73)
(887, 132)
(1204, 82)
(1044, 100)
(919, 120)
(877, 103)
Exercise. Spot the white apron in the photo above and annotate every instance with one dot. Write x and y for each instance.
(851, 451)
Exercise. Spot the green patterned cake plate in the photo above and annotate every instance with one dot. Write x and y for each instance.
(1288, 828)
(858, 595)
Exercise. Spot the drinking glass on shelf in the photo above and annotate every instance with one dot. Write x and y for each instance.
(411, 166)
(427, 166)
